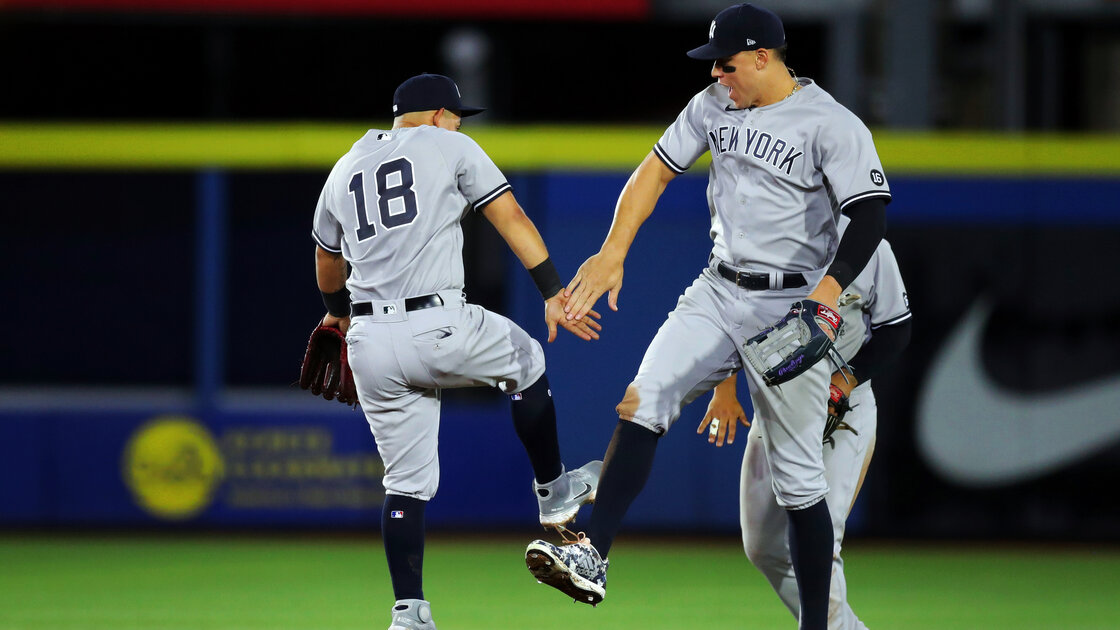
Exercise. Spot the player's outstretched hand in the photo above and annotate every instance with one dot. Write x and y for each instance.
(598, 274)
(586, 328)
(723, 416)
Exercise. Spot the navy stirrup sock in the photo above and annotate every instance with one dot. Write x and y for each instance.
(402, 528)
(626, 468)
(810, 546)
(534, 419)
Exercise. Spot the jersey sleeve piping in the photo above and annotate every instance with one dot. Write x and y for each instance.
(664, 157)
(320, 243)
(892, 322)
(491, 196)
(871, 194)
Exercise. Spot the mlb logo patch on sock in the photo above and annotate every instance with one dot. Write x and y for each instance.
(396, 514)
(516, 396)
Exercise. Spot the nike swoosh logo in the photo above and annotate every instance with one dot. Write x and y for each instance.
(974, 432)
(586, 490)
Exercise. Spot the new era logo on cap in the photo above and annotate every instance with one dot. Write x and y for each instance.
(738, 28)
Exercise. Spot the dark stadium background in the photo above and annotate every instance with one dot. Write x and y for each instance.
(145, 294)
(159, 164)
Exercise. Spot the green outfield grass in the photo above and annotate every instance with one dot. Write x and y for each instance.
(119, 583)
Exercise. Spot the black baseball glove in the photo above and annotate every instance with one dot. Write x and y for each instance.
(794, 344)
(838, 407)
(326, 369)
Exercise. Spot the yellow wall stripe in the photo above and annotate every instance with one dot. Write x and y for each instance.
(526, 148)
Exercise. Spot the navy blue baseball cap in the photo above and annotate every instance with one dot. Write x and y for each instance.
(741, 27)
(425, 92)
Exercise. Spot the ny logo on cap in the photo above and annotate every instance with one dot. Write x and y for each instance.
(712, 30)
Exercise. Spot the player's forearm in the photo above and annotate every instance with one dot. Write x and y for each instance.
(827, 291)
(636, 204)
(517, 230)
(728, 383)
(525, 242)
(845, 380)
(726, 389)
(330, 270)
(868, 227)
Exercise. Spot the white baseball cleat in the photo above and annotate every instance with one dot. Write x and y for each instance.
(560, 500)
(412, 614)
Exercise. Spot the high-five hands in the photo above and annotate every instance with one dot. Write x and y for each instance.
(597, 275)
(554, 313)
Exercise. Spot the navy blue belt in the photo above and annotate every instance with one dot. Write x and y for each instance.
(757, 281)
(410, 304)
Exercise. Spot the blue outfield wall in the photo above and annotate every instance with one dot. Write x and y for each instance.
(265, 467)
(238, 463)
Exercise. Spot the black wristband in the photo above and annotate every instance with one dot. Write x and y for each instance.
(338, 303)
(546, 278)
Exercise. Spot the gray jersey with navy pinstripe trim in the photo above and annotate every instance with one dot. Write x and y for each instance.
(393, 205)
(780, 174)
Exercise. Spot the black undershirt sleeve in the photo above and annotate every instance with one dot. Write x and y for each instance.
(886, 344)
(868, 227)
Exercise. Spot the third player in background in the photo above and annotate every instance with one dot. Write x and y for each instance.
(877, 323)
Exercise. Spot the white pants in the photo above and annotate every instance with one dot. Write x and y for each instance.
(765, 524)
(700, 344)
(401, 360)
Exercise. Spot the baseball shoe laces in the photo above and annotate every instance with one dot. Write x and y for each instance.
(575, 568)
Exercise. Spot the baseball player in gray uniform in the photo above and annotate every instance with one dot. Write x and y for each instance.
(787, 159)
(391, 208)
(877, 319)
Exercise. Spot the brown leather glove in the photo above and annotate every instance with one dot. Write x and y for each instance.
(326, 369)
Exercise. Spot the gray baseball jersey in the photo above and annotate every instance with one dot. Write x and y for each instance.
(779, 178)
(780, 174)
(876, 298)
(393, 205)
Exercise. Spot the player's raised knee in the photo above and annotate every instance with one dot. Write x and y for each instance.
(630, 402)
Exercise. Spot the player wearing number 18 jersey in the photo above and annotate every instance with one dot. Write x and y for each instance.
(391, 208)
